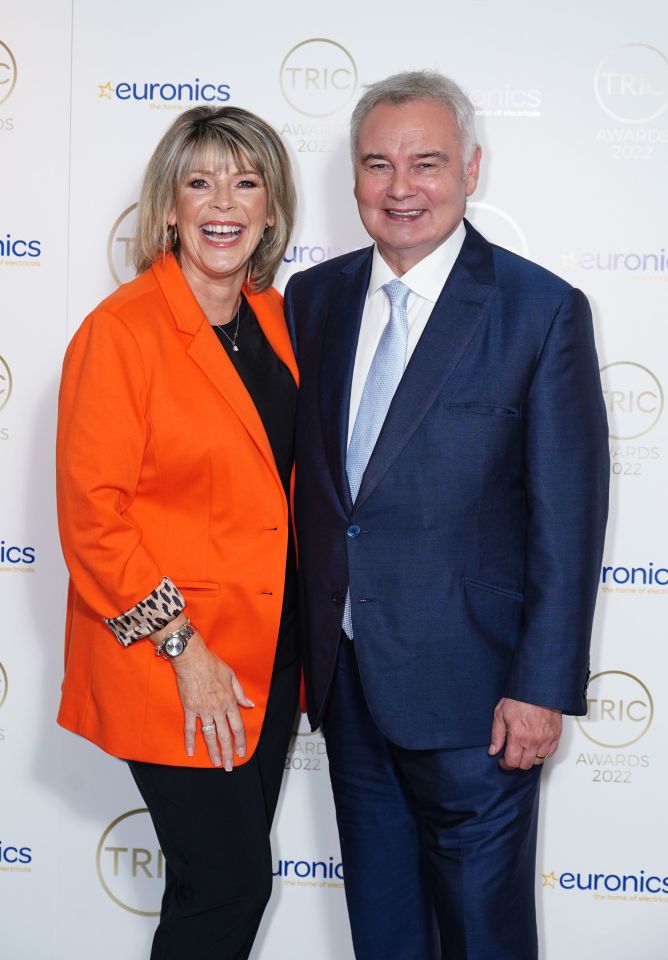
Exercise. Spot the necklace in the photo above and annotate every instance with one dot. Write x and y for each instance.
(233, 340)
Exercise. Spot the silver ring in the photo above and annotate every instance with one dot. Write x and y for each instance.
(208, 727)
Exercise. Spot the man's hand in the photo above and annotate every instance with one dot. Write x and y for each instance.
(530, 733)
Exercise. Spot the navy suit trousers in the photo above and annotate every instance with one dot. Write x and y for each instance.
(438, 846)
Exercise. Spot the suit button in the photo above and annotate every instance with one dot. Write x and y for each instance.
(337, 598)
(353, 531)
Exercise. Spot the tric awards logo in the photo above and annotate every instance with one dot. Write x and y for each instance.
(5, 383)
(307, 751)
(633, 398)
(620, 710)
(498, 226)
(318, 77)
(119, 245)
(631, 83)
(8, 72)
(130, 864)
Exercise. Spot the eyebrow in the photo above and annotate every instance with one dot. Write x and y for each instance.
(435, 154)
(212, 173)
(427, 155)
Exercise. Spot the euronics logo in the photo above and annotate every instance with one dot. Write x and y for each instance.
(316, 253)
(157, 91)
(618, 261)
(646, 575)
(642, 882)
(322, 870)
(14, 859)
(16, 557)
(18, 247)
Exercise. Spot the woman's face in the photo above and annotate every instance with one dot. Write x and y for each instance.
(221, 212)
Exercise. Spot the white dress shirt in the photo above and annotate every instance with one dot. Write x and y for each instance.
(425, 281)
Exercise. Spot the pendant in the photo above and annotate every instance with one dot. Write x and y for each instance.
(235, 348)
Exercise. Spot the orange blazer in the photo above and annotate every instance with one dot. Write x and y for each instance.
(164, 469)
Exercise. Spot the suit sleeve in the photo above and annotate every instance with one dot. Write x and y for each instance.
(290, 318)
(103, 426)
(567, 477)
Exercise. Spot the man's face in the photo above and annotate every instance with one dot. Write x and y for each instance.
(410, 182)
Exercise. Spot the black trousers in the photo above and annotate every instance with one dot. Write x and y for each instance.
(213, 828)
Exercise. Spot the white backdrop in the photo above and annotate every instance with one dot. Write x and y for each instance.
(573, 113)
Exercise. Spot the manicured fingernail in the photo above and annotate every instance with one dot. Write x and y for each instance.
(190, 752)
(229, 766)
(216, 761)
(492, 750)
(242, 752)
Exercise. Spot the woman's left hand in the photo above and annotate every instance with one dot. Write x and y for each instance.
(210, 690)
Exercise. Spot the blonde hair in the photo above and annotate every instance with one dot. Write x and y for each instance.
(228, 132)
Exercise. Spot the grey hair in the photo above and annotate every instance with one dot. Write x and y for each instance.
(228, 132)
(418, 85)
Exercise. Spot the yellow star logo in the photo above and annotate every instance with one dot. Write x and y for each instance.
(106, 90)
(550, 880)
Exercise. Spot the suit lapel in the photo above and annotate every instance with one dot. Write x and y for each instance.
(339, 347)
(457, 313)
(212, 360)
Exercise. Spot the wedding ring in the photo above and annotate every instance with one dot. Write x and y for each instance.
(208, 727)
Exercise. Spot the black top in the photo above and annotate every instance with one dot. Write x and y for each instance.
(274, 392)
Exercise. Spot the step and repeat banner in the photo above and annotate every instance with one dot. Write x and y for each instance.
(572, 101)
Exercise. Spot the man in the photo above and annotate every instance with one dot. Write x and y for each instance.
(451, 500)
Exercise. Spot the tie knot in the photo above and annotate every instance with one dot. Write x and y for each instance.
(397, 293)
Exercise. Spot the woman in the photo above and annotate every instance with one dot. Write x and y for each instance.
(174, 464)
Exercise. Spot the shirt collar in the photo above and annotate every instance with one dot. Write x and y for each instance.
(427, 277)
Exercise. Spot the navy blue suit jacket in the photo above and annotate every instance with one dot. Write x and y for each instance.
(474, 546)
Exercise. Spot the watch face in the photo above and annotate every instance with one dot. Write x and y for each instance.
(174, 647)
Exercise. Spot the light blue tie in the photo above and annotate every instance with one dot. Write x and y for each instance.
(385, 372)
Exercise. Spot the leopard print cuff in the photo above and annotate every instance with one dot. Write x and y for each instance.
(149, 615)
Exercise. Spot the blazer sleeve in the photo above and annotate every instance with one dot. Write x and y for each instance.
(567, 475)
(290, 317)
(101, 439)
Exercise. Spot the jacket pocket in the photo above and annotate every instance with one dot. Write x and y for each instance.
(199, 587)
(486, 409)
(492, 588)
